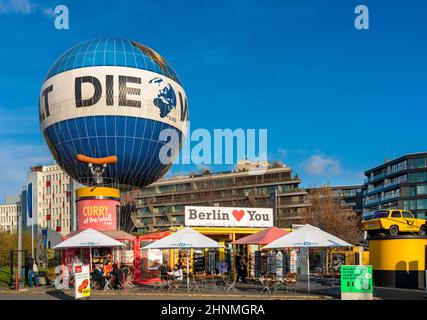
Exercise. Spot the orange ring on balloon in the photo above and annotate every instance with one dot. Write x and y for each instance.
(98, 161)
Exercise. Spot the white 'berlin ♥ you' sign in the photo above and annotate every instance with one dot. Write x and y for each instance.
(228, 217)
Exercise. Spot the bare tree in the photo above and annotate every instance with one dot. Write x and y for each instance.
(276, 164)
(327, 213)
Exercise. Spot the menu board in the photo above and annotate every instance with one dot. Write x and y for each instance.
(252, 250)
(279, 264)
(81, 281)
(257, 269)
(271, 263)
(210, 262)
(199, 262)
(293, 261)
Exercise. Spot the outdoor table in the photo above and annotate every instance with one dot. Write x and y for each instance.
(196, 283)
(174, 283)
(222, 280)
(266, 283)
(210, 280)
(278, 283)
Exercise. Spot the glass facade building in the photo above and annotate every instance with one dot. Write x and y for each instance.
(400, 183)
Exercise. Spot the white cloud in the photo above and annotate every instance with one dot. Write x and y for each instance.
(16, 161)
(319, 164)
(16, 6)
(49, 12)
(25, 7)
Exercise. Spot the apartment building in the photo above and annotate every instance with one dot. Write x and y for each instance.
(49, 199)
(398, 183)
(9, 212)
(161, 205)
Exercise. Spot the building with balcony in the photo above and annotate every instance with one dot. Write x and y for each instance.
(161, 205)
(399, 183)
(49, 189)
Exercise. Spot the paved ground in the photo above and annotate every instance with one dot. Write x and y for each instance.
(96, 296)
(141, 293)
(244, 292)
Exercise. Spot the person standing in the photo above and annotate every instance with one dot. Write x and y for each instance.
(35, 274)
(29, 270)
(244, 269)
(238, 266)
(117, 275)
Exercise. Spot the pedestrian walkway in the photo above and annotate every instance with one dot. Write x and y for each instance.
(244, 292)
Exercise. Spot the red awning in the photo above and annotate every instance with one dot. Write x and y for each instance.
(263, 237)
(154, 236)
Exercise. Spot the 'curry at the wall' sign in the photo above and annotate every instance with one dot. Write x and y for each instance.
(97, 214)
(228, 217)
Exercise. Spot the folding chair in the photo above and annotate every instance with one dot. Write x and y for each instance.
(128, 284)
(94, 285)
(278, 283)
(265, 285)
(291, 282)
(195, 284)
(231, 283)
(108, 285)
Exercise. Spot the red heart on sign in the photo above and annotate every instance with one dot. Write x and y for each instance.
(238, 214)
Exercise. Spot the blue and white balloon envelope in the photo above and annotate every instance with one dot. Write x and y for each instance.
(109, 97)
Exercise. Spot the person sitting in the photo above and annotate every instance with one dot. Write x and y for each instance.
(107, 268)
(164, 270)
(98, 275)
(177, 272)
(117, 276)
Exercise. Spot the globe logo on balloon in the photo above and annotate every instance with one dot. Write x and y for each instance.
(113, 97)
(166, 98)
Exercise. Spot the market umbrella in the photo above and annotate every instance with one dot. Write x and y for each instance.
(87, 239)
(263, 237)
(186, 238)
(307, 236)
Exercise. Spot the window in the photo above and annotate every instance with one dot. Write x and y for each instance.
(398, 167)
(396, 214)
(422, 204)
(422, 189)
(418, 177)
(407, 215)
(380, 214)
(418, 163)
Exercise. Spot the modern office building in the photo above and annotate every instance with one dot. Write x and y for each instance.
(9, 212)
(398, 183)
(161, 205)
(49, 189)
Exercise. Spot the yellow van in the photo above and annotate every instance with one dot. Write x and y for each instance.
(393, 222)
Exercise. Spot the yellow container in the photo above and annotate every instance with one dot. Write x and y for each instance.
(398, 262)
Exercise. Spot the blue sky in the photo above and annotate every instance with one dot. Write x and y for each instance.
(335, 100)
